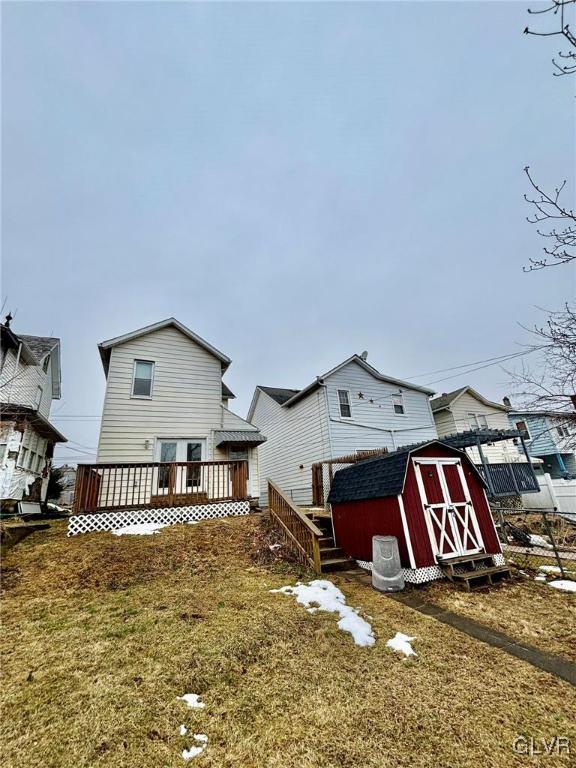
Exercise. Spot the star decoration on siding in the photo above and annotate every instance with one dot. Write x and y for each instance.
(360, 396)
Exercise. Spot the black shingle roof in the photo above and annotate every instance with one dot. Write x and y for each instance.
(279, 394)
(227, 392)
(377, 477)
(40, 346)
(444, 400)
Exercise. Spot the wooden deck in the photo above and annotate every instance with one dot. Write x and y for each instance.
(111, 487)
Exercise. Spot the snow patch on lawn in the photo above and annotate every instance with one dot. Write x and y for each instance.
(183, 730)
(139, 529)
(550, 569)
(188, 754)
(401, 643)
(193, 700)
(563, 584)
(323, 595)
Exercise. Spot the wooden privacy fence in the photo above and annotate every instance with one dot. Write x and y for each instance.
(323, 473)
(101, 487)
(299, 532)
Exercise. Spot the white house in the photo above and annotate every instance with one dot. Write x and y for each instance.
(166, 402)
(351, 408)
(465, 410)
(29, 382)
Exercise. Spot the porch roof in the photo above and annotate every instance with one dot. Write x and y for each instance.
(474, 436)
(40, 424)
(232, 437)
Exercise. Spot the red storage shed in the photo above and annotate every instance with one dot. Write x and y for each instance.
(431, 497)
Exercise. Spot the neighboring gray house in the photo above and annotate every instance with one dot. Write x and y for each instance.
(29, 382)
(551, 437)
(68, 483)
(166, 402)
(351, 408)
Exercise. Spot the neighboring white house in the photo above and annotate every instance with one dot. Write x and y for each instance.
(351, 408)
(29, 381)
(166, 401)
(465, 410)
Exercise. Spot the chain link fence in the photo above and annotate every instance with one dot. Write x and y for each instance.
(537, 540)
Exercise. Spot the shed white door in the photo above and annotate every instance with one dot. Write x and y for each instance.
(450, 517)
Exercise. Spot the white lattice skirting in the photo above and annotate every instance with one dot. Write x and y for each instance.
(110, 521)
(430, 573)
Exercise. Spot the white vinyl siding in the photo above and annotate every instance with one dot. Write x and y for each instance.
(297, 437)
(462, 411)
(186, 398)
(375, 424)
(20, 384)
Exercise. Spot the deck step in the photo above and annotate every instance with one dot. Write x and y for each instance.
(329, 553)
(338, 564)
(326, 542)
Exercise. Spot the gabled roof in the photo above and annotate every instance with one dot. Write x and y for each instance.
(381, 476)
(226, 392)
(105, 346)
(279, 394)
(40, 345)
(36, 348)
(289, 397)
(447, 399)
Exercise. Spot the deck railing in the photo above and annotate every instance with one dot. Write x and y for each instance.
(300, 533)
(509, 479)
(103, 487)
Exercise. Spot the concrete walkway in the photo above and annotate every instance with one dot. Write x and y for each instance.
(548, 662)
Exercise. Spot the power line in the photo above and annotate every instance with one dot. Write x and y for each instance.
(494, 360)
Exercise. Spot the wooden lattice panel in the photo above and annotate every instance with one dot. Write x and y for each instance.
(110, 521)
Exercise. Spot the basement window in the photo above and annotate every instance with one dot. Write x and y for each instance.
(344, 403)
(143, 378)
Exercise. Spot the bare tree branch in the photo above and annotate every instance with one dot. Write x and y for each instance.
(562, 239)
(559, 9)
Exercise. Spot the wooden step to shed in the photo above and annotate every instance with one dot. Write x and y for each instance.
(326, 542)
(448, 560)
(482, 576)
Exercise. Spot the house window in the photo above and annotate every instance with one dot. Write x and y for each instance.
(563, 431)
(143, 378)
(398, 404)
(521, 426)
(38, 398)
(239, 454)
(344, 403)
(46, 363)
(473, 421)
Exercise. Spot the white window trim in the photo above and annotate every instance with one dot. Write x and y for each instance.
(402, 403)
(347, 391)
(143, 397)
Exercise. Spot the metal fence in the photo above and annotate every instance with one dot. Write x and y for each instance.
(538, 540)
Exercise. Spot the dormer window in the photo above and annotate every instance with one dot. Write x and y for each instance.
(46, 363)
(398, 404)
(143, 378)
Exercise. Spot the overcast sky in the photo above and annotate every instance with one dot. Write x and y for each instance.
(294, 182)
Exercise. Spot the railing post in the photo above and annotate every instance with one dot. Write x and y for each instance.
(171, 483)
(316, 551)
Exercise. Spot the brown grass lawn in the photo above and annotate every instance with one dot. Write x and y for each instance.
(528, 611)
(101, 634)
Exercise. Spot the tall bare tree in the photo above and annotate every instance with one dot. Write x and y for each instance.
(553, 386)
